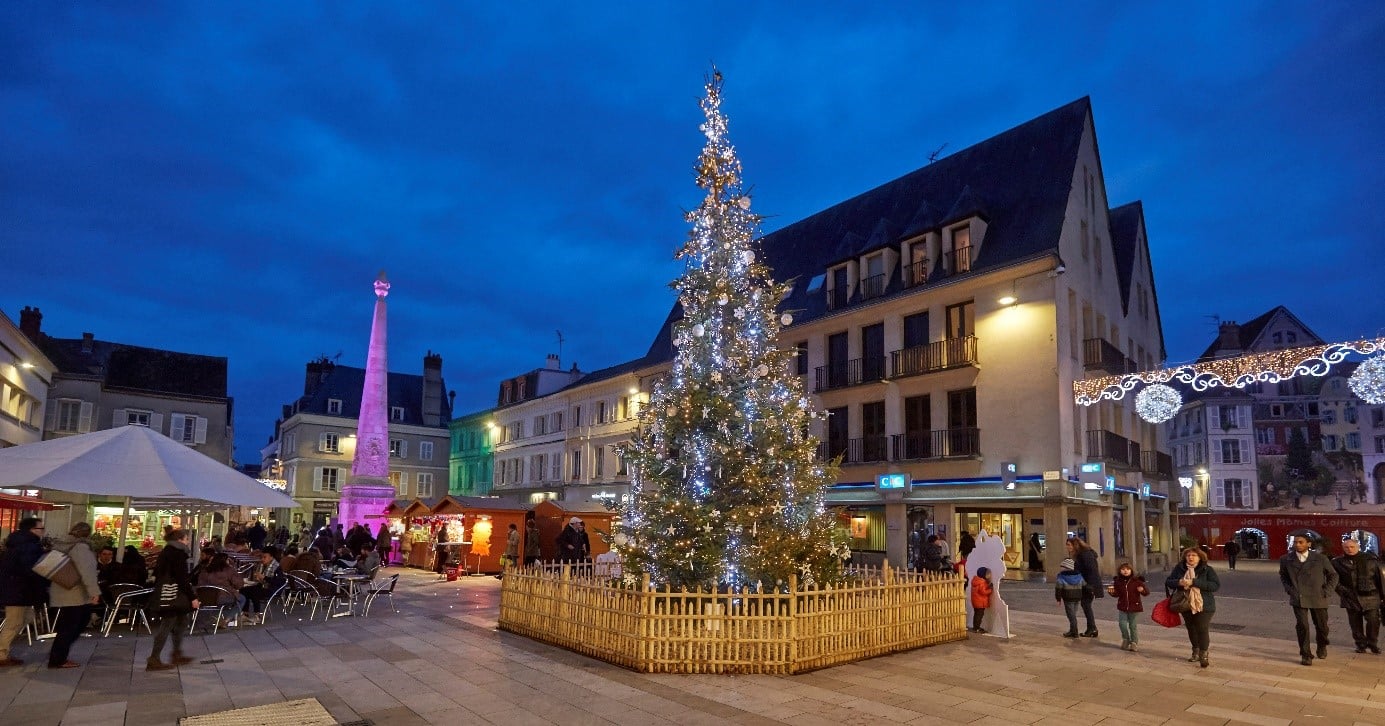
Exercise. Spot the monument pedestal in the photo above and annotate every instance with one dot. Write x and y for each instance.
(364, 500)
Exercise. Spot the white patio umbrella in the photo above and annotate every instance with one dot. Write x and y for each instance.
(137, 463)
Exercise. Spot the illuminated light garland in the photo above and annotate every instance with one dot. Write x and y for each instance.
(1237, 372)
(1158, 403)
(1368, 381)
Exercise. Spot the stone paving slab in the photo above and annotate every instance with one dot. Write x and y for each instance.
(440, 660)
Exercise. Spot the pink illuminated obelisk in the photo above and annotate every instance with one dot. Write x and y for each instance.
(369, 492)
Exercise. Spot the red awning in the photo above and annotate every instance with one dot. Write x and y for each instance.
(16, 501)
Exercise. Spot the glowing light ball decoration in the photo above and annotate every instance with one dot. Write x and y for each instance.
(1158, 403)
(1368, 382)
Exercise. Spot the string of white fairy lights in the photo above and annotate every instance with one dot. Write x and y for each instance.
(1159, 402)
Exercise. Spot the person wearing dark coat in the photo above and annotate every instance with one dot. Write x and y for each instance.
(965, 544)
(573, 543)
(324, 544)
(1195, 573)
(1085, 558)
(20, 589)
(132, 568)
(1359, 585)
(1036, 553)
(172, 568)
(931, 556)
(257, 534)
(1232, 550)
(1308, 579)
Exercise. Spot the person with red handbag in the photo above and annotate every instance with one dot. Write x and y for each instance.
(1197, 578)
(1127, 589)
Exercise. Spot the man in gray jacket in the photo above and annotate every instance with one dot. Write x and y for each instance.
(1309, 579)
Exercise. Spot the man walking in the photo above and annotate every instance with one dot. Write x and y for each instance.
(20, 588)
(1359, 584)
(1308, 578)
(1232, 549)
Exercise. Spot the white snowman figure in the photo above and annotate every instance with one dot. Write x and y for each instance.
(990, 554)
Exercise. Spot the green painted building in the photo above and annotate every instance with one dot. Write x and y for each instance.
(470, 461)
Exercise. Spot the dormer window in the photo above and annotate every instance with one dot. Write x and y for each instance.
(916, 273)
(838, 288)
(959, 259)
(873, 277)
(396, 413)
(334, 406)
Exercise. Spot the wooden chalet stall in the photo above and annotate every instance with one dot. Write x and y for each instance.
(552, 516)
(486, 523)
(416, 544)
(399, 526)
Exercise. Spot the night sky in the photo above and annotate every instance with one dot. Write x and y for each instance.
(228, 178)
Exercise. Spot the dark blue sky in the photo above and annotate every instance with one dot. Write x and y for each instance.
(227, 178)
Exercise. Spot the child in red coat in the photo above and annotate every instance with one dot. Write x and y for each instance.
(980, 597)
(1127, 589)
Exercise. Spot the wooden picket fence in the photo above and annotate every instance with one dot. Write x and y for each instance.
(875, 612)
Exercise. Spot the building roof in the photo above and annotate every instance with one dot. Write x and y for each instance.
(1250, 332)
(346, 384)
(137, 368)
(1018, 181)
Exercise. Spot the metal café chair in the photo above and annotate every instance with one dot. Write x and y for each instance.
(209, 597)
(332, 593)
(280, 594)
(127, 599)
(381, 588)
(300, 592)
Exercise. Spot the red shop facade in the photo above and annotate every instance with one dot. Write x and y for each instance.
(1266, 536)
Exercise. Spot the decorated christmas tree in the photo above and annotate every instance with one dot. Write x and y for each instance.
(726, 486)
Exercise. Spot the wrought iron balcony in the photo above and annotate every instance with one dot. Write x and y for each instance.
(936, 444)
(1097, 354)
(837, 298)
(1157, 463)
(916, 273)
(957, 261)
(851, 373)
(930, 357)
(1112, 448)
(873, 286)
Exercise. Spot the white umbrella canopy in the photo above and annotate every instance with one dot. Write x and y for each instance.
(134, 462)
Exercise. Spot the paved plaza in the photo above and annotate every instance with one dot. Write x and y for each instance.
(440, 660)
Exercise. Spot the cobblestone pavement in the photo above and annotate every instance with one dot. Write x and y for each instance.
(440, 660)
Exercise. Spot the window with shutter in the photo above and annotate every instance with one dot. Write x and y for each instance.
(1219, 497)
(199, 434)
(425, 451)
(84, 416)
(317, 478)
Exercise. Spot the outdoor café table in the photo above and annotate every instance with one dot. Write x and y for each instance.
(351, 581)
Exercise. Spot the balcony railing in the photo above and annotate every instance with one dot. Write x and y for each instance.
(936, 444)
(873, 286)
(836, 298)
(1157, 463)
(916, 273)
(851, 373)
(1113, 448)
(957, 261)
(1097, 354)
(939, 356)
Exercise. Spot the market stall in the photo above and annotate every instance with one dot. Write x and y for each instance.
(485, 523)
(399, 527)
(418, 532)
(552, 516)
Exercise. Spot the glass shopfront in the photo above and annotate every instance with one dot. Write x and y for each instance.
(1009, 526)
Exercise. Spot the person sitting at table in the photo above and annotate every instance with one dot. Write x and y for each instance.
(309, 561)
(289, 562)
(204, 558)
(265, 578)
(132, 568)
(344, 558)
(368, 564)
(107, 570)
(221, 573)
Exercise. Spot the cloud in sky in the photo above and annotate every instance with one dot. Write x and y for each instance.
(227, 179)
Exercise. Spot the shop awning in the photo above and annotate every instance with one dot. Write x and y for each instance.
(17, 501)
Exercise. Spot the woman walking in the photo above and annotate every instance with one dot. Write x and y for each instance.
(76, 601)
(1200, 581)
(171, 569)
(1085, 559)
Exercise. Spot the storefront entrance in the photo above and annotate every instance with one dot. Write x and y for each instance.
(1255, 544)
(1009, 526)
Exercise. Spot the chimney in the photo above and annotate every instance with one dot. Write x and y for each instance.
(30, 320)
(552, 364)
(313, 375)
(88, 339)
(1229, 339)
(432, 389)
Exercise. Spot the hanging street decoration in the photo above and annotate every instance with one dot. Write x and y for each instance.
(1158, 403)
(1237, 372)
(1368, 381)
